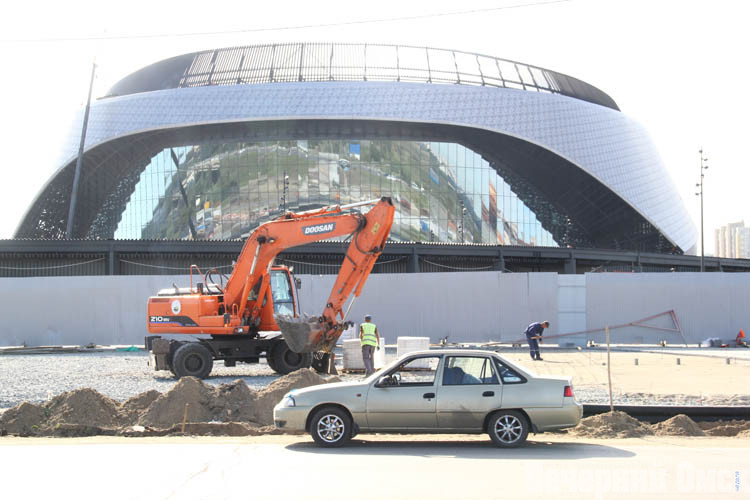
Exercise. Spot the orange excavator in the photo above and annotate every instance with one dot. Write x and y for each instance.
(254, 312)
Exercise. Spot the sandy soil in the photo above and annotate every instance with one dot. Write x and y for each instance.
(656, 373)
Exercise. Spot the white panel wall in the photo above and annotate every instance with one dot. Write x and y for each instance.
(467, 307)
(571, 304)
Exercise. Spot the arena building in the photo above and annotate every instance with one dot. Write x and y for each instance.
(473, 149)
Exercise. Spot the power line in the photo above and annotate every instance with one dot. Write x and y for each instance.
(281, 28)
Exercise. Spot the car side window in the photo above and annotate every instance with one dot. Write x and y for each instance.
(508, 375)
(468, 370)
(417, 371)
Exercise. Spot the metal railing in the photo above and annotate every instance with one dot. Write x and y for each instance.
(315, 62)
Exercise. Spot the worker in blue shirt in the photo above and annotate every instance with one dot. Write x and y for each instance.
(534, 335)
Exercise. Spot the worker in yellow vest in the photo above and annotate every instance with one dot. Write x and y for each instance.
(370, 340)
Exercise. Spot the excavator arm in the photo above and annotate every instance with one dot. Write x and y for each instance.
(368, 232)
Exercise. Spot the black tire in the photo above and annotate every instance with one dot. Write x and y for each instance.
(508, 428)
(284, 360)
(320, 361)
(331, 427)
(269, 359)
(192, 359)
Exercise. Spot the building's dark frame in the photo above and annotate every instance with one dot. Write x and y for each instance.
(25, 258)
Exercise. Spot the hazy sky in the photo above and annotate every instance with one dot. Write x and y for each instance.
(678, 67)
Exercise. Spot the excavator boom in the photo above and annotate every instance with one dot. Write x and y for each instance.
(367, 241)
(368, 233)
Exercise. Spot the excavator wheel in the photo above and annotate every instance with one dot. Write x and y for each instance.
(269, 360)
(320, 361)
(284, 360)
(192, 359)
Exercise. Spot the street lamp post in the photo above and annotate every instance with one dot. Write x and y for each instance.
(700, 193)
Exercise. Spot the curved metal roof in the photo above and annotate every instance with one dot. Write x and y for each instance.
(323, 62)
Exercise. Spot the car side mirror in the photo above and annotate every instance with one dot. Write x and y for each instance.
(384, 381)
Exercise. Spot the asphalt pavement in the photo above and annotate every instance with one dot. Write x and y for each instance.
(374, 467)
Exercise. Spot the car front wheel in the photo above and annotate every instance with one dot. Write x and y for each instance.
(331, 427)
(508, 429)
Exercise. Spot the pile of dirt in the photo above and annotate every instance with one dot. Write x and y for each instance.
(744, 434)
(235, 402)
(725, 428)
(132, 409)
(270, 396)
(189, 399)
(83, 407)
(208, 409)
(23, 419)
(613, 424)
(679, 425)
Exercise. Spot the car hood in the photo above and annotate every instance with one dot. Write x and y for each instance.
(336, 387)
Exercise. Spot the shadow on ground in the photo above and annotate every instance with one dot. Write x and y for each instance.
(537, 449)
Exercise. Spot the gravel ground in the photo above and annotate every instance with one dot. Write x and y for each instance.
(120, 375)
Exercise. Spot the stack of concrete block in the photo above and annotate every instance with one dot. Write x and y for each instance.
(353, 355)
(405, 345)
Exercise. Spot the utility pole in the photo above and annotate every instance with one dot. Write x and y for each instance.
(700, 193)
(79, 160)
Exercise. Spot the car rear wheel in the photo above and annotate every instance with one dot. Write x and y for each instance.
(508, 429)
(331, 427)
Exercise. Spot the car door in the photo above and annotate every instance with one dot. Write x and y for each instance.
(410, 403)
(469, 389)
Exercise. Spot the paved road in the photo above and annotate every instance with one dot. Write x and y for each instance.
(379, 467)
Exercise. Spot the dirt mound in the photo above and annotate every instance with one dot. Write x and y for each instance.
(85, 412)
(679, 425)
(190, 399)
(83, 407)
(724, 428)
(617, 424)
(24, 419)
(132, 409)
(234, 402)
(271, 395)
(744, 434)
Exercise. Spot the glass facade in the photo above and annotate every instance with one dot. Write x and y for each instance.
(443, 191)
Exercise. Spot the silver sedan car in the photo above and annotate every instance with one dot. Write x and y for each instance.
(439, 391)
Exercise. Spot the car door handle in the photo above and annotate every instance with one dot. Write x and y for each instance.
(488, 394)
(428, 395)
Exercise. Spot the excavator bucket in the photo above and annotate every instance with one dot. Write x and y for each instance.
(305, 334)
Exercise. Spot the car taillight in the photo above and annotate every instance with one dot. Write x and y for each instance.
(568, 393)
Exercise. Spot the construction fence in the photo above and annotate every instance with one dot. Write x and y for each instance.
(464, 307)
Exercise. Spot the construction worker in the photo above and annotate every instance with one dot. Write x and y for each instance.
(370, 340)
(534, 336)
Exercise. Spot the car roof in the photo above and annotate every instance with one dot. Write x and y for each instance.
(451, 352)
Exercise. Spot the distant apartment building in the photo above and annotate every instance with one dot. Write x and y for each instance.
(732, 241)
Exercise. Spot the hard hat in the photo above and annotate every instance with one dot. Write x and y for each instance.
(367, 316)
